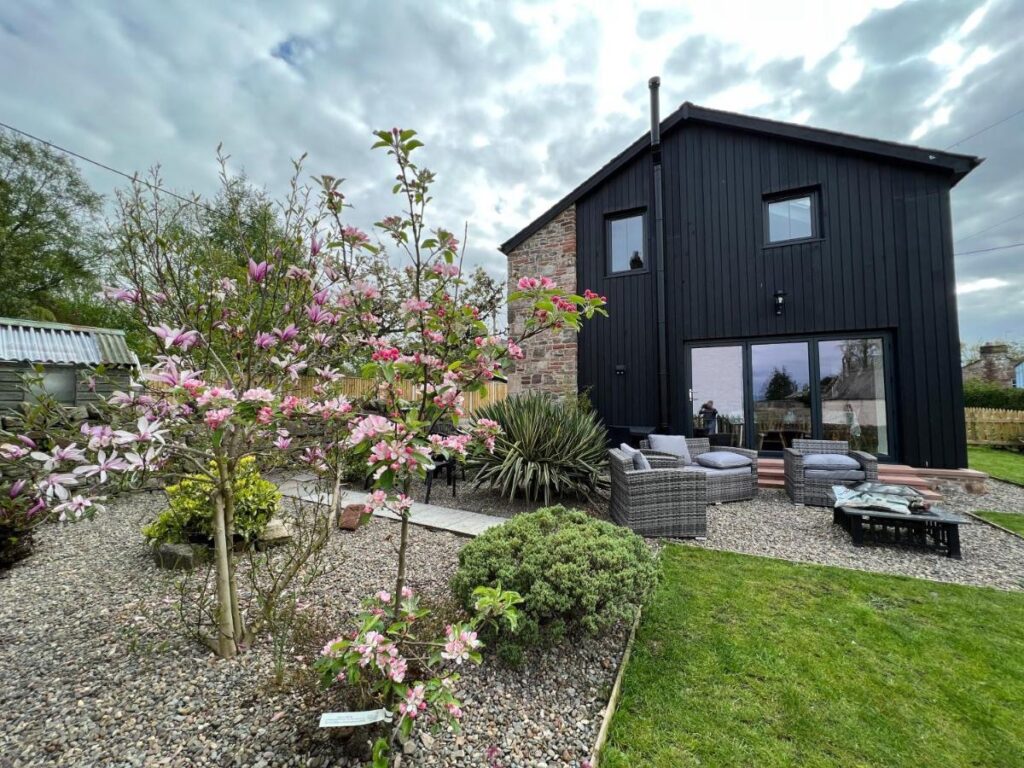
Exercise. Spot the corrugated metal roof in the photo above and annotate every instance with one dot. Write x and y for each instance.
(35, 342)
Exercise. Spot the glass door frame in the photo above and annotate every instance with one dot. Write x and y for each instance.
(813, 362)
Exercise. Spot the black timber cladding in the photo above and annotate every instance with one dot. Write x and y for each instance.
(884, 263)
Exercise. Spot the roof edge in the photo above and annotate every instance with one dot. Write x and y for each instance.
(59, 326)
(958, 165)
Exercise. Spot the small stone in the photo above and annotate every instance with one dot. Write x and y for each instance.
(277, 532)
(350, 516)
(174, 557)
(427, 739)
(409, 747)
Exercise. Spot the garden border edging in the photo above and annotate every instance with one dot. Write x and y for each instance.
(613, 698)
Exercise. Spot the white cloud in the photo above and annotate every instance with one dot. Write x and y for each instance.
(981, 284)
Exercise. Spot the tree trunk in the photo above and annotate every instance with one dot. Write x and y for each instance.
(226, 645)
(228, 489)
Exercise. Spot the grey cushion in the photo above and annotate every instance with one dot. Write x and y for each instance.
(830, 461)
(640, 461)
(722, 460)
(674, 444)
(710, 472)
(627, 449)
(834, 474)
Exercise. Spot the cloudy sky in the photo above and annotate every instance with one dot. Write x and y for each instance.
(520, 101)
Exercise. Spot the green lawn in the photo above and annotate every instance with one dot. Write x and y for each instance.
(1003, 465)
(746, 661)
(1011, 520)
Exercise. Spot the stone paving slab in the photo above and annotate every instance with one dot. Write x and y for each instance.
(302, 486)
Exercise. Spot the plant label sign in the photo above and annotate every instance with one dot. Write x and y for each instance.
(352, 719)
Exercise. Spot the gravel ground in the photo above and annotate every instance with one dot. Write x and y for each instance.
(95, 668)
(773, 527)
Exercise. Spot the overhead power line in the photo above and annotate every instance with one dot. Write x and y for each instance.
(987, 128)
(104, 166)
(991, 227)
(986, 250)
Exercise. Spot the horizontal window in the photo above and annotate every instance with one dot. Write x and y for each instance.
(792, 218)
(625, 237)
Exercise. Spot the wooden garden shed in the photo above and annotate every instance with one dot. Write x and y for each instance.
(67, 353)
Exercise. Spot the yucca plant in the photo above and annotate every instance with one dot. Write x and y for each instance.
(548, 448)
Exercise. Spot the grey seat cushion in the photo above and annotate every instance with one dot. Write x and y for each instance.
(640, 461)
(711, 472)
(834, 474)
(628, 449)
(722, 460)
(674, 444)
(830, 461)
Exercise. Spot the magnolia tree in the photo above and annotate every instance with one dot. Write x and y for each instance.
(253, 337)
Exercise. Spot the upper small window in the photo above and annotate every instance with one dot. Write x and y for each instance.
(792, 218)
(626, 243)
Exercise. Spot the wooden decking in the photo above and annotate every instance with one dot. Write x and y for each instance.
(926, 481)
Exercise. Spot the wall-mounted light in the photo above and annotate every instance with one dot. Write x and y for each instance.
(780, 302)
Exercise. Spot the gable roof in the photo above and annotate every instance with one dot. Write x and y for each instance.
(956, 165)
(30, 341)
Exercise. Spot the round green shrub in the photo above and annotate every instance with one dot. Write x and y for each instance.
(575, 573)
(189, 516)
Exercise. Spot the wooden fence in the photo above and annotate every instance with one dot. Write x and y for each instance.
(355, 387)
(994, 426)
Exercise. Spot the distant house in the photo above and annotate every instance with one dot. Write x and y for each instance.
(995, 365)
(66, 352)
(798, 281)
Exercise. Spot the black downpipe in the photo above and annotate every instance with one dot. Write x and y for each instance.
(659, 257)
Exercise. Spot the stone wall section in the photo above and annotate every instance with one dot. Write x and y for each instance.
(550, 362)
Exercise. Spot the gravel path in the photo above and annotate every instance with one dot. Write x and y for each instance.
(488, 502)
(773, 527)
(95, 670)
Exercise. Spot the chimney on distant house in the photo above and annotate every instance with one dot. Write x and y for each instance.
(995, 365)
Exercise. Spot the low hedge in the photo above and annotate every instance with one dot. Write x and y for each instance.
(983, 394)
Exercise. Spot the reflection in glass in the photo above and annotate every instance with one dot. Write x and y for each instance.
(782, 393)
(627, 243)
(853, 393)
(717, 394)
(790, 219)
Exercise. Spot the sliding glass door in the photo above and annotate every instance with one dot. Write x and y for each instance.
(716, 395)
(764, 394)
(781, 389)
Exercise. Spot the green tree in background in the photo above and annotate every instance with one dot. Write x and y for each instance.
(50, 231)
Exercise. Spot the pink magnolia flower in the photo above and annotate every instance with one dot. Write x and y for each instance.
(258, 395)
(127, 295)
(414, 701)
(258, 272)
(16, 488)
(76, 506)
(289, 333)
(59, 455)
(55, 485)
(102, 466)
(459, 643)
(265, 340)
(283, 442)
(175, 337)
(314, 246)
(216, 418)
(12, 452)
(147, 432)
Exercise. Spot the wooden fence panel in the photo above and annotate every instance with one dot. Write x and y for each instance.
(994, 426)
(355, 387)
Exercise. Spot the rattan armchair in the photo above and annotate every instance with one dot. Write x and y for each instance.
(657, 502)
(815, 491)
(721, 487)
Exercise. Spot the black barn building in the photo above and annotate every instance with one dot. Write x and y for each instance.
(765, 281)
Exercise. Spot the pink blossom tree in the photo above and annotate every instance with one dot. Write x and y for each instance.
(245, 321)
